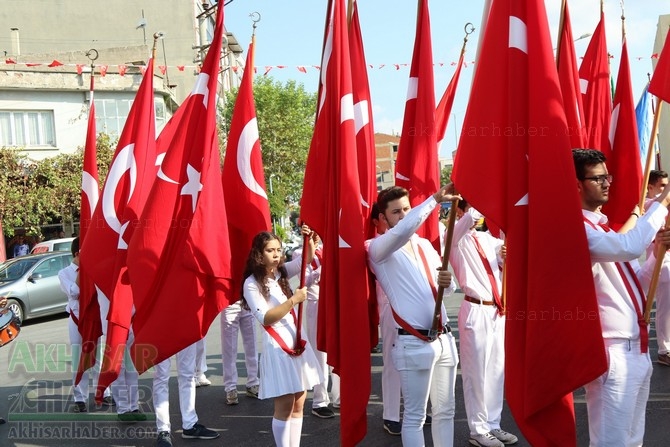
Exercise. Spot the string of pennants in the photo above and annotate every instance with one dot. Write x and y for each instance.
(122, 68)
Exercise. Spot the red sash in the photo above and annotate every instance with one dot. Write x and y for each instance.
(280, 341)
(641, 322)
(489, 273)
(403, 324)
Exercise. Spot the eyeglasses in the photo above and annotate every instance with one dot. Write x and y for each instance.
(600, 179)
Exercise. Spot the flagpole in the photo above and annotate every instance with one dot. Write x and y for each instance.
(560, 32)
(350, 11)
(660, 252)
(303, 274)
(437, 313)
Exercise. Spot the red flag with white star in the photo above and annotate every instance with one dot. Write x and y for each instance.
(660, 82)
(105, 249)
(624, 160)
(594, 78)
(179, 256)
(514, 164)
(417, 166)
(568, 76)
(90, 326)
(247, 204)
(332, 205)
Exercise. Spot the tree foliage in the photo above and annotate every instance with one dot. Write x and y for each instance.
(285, 124)
(37, 193)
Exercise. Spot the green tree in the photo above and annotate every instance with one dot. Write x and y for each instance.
(285, 124)
(35, 193)
(445, 175)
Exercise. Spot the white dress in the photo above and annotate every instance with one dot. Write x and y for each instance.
(280, 373)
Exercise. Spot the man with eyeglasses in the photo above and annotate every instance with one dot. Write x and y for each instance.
(616, 401)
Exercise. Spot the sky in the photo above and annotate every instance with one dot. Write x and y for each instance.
(290, 34)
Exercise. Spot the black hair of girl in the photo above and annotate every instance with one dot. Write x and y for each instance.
(256, 268)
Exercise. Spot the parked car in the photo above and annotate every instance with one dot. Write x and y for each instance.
(31, 284)
(63, 244)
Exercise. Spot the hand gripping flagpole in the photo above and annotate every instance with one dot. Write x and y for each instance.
(437, 313)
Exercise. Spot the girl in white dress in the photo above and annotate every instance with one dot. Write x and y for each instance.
(288, 367)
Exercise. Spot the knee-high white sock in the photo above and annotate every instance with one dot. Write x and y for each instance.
(282, 433)
(296, 431)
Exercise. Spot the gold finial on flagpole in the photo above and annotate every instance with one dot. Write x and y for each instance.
(92, 55)
(469, 28)
(623, 22)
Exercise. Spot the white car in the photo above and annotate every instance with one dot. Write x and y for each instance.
(63, 244)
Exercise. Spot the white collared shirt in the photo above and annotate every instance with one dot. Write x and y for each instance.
(618, 316)
(403, 276)
(468, 268)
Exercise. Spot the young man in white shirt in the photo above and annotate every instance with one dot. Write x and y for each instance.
(409, 270)
(617, 400)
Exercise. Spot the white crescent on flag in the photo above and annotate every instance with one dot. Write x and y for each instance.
(90, 187)
(245, 146)
(124, 161)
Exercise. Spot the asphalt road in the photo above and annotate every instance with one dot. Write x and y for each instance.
(35, 396)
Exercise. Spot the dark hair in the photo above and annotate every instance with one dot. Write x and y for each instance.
(462, 204)
(389, 195)
(584, 158)
(655, 175)
(374, 213)
(74, 248)
(257, 269)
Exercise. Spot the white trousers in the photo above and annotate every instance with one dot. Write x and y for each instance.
(320, 397)
(234, 320)
(200, 358)
(80, 392)
(186, 381)
(662, 320)
(427, 369)
(390, 375)
(617, 400)
(481, 332)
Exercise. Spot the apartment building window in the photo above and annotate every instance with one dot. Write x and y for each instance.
(27, 128)
(111, 114)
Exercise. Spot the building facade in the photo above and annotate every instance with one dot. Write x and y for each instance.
(44, 75)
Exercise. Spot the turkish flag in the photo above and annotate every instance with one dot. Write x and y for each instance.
(179, 255)
(366, 149)
(365, 131)
(247, 204)
(417, 167)
(447, 101)
(117, 217)
(660, 82)
(89, 327)
(514, 164)
(624, 161)
(594, 78)
(332, 206)
(568, 76)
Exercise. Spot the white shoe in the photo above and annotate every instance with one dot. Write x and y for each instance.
(485, 440)
(504, 437)
(202, 381)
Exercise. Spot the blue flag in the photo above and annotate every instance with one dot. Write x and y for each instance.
(645, 117)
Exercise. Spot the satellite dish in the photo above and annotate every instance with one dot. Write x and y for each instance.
(142, 23)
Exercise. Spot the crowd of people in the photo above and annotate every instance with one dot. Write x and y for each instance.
(419, 351)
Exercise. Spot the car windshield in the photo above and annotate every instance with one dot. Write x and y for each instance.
(12, 270)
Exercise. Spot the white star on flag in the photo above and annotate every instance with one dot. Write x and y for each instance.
(193, 186)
